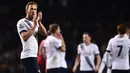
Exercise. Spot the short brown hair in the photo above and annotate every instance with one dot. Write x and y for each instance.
(30, 3)
(88, 34)
(53, 28)
(121, 29)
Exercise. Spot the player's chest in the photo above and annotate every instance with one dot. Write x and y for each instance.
(87, 50)
(29, 25)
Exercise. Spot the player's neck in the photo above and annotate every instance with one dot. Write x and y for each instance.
(55, 35)
(28, 18)
(121, 35)
(87, 43)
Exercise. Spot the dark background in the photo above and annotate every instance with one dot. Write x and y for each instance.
(98, 17)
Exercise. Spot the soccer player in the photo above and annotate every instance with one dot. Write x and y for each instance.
(87, 52)
(27, 29)
(106, 62)
(63, 64)
(42, 57)
(54, 45)
(118, 47)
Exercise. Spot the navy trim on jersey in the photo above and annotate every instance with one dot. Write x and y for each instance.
(110, 67)
(28, 23)
(59, 48)
(97, 54)
(82, 47)
(23, 31)
(89, 62)
(108, 51)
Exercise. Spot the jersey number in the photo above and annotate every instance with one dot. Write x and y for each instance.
(119, 46)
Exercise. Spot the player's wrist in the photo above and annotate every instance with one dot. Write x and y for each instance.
(39, 23)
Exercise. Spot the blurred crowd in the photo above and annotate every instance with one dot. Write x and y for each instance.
(74, 18)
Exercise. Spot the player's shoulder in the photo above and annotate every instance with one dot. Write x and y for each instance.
(80, 44)
(94, 45)
(22, 20)
(112, 39)
(50, 38)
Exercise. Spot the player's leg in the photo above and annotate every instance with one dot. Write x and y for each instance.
(87, 71)
(90, 71)
(31, 65)
(120, 71)
(63, 70)
(54, 70)
(82, 72)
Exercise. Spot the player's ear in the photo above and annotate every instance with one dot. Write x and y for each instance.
(26, 11)
(90, 38)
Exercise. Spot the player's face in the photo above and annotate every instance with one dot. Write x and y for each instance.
(58, 30)
(86, 38)
(128, 31)
(31, 11)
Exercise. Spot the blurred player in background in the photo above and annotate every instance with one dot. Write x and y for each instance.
(42, 57)
(119, 48)
(87, 52)
(106, 62)
(27, 29)
(107, 59)
(54, 45)
(63, 63)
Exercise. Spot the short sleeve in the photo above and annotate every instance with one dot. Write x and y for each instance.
(109, 46)
(129, 45)
(57, 43)
(46, 43)
(21, 27)
(96, 50)
(78, 49)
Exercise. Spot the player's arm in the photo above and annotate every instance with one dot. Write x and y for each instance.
(108, 49)
(76, 64)
(24, 32)
(103, 63)
(77, 59)
(60, 45)
(42, 29)
(63, 48)
(101, 68)
(98, 58)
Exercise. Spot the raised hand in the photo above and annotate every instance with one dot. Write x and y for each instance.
(39, 18)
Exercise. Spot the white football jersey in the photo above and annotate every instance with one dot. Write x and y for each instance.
(30, 46)
(63, 63)
(125, 36)
(52, 46)
(87, 55)
(119, 48)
